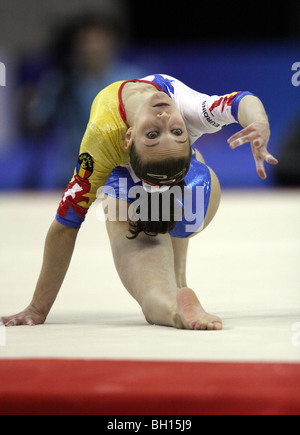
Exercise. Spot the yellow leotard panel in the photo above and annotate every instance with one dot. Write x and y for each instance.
(102, 149)
(104, 137)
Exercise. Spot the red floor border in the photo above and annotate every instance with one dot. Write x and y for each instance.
(80, 387)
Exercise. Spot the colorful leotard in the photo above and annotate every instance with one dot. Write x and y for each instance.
(192, 202)
(102, 149)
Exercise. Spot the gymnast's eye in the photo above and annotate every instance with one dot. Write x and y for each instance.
(152, 134)
(177, 132)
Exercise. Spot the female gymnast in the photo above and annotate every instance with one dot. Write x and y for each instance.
(141, 134)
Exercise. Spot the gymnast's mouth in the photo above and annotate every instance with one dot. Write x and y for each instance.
(162, 105)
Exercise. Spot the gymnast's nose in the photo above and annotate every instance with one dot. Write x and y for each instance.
(163, 115)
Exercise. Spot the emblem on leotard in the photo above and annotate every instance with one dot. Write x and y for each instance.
(85, 165)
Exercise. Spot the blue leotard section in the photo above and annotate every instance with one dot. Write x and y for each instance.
(165, 84)
(195, 200)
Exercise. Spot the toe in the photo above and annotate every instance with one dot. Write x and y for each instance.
(218, 326)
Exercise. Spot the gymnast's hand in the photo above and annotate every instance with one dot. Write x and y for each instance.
(258, 134)
(29, 317)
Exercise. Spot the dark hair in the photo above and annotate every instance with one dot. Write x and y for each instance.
(168, 167)
(155, 204)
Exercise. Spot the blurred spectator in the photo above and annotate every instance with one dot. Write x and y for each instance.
(288, 170)
(55, 109)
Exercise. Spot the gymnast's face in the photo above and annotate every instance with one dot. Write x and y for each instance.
(159, 130)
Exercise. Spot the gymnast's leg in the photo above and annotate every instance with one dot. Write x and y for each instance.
(146, 268)
(153, 271)
(189, 307)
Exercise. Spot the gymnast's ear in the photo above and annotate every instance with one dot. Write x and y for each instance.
(128, 138)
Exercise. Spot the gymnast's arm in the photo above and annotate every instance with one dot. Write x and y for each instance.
(59, 247)
(90, 174)
(209, 114)
(252, 116)
(98, 156)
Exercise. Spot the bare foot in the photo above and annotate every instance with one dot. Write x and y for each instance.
(193, 315)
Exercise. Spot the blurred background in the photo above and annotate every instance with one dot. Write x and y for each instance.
(59, 54)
